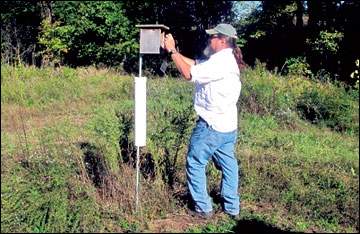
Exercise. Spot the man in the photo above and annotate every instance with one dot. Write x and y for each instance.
(217, 90)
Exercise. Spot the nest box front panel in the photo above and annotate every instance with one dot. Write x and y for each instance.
(150, 41)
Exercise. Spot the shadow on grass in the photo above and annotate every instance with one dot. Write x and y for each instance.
(255, 226)
(247, 225)
(242, 226)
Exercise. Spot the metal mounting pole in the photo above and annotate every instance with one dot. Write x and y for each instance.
(140, 64)
(137, 180)
(137, 156)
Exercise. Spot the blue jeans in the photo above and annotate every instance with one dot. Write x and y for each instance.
(204, 144)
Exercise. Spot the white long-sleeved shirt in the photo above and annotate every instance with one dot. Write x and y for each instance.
(217, 90)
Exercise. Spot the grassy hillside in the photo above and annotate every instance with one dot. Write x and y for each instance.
(68, 157)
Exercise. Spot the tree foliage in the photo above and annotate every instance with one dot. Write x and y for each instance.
(100, 32)
(321, 31)
(81, 33)
(19, 23)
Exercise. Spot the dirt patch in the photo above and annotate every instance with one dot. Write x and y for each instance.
(171, 224)
(177, 223)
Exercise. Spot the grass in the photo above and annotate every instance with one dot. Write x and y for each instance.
(307, 172)
(68, 159)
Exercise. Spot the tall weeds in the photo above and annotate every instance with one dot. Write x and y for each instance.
(297, 148)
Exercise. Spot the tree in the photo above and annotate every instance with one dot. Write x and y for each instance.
(323, 32)
(53, 38)
(81, 33)
(100, 32)
(271, 35)
(19, 22)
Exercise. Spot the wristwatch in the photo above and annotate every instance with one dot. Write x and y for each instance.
(174, 51)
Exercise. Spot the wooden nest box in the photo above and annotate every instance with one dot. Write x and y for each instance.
(151, 38)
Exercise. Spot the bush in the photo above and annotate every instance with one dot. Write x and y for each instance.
(290, 97)
(171, 118)
(297, 66)
(331, 106)
(264, 94)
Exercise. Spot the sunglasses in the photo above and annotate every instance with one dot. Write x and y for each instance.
(213, 36)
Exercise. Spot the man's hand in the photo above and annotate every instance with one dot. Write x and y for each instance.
(182, 63)
(169, 43)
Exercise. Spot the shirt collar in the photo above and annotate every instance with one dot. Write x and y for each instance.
(226, 50)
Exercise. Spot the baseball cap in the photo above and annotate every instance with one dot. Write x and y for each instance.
(225, 29)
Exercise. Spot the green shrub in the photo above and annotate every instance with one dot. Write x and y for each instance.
(264, 93)
(331, 106)
(171, 118)
(288, 98)
(297, 66)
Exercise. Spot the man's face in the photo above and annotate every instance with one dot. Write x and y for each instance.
(211, 46)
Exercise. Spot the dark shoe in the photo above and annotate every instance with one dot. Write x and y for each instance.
(203, 215)
(233, 216)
